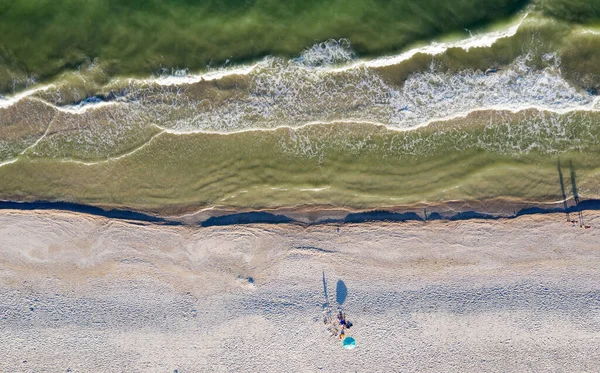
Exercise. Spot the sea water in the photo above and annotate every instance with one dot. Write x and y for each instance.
(482, 115)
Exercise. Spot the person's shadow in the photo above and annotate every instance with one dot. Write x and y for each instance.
(341, 291)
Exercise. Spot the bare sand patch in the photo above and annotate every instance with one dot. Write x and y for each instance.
(92, 294)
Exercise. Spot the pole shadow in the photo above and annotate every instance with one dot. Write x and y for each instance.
(574, 183)
(326, 304)
(562, 189)
(576, 193)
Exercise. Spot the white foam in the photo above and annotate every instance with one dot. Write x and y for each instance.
(82, 108)
(314, 189)
(112, 159)
(290, 94)
(286, 94)
(196, 78)
(9, 161)
(592, 31)
(314, 90)
(325, 54)
(329, 52)
(6, 102)
(484, 40)
(332, 52)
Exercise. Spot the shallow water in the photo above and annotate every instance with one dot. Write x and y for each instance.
(513, 156)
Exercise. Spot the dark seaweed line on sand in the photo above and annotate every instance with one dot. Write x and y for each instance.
(262, 217)
(86, 209)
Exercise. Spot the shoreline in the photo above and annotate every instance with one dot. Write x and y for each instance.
(317, 215)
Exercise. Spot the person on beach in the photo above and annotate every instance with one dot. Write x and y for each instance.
(345, 324)
(342, 318)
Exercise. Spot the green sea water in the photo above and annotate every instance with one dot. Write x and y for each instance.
(512, 156)
(353, 104)
(43, 38)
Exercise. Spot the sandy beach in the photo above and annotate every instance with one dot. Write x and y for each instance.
(201, 186)
(88, 294)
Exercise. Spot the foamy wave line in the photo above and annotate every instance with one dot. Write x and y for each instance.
(110, 159)
(313, 189)
(589, 30)
(6, 102)
(80, 109)
(308, 124)
(92, 163)
(460, 115)
(13, 160)
(485, 40)
(192, 79)
(183, 78)
(510, 109)
(9, 161)
(273, 129)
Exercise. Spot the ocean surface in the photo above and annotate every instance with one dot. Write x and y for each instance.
(170, 106)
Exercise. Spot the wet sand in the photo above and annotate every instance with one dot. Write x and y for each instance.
(92, 294)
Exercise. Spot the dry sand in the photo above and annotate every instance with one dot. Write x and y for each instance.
(87, 294)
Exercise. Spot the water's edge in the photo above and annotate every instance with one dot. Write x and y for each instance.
(315, 216)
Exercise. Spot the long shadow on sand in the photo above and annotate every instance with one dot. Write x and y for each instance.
(247, 218)
(562, 189)
(326, 304)
(85, 209)
(261, 217)
(362, 217)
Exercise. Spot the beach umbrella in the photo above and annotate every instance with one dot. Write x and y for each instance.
(349, 343)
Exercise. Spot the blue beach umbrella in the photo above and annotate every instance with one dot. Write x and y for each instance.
(349, 343)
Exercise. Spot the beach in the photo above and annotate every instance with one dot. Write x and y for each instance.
(83, 293)
(202, 186)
